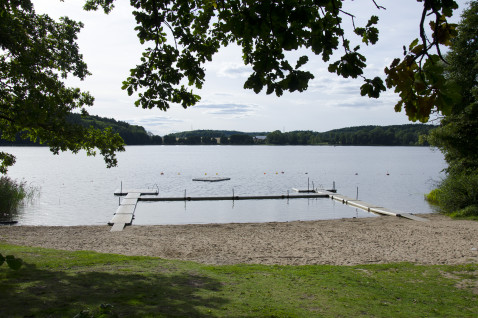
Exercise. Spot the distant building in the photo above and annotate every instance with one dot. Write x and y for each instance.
(260, 139)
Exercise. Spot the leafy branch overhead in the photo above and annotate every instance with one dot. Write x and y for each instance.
(184, 35)
(180, 36)
(36, 54)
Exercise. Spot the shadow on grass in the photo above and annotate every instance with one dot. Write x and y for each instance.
(39, 293)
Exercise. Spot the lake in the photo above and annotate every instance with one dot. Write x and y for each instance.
(78, 190)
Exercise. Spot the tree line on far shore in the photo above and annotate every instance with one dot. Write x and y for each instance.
(395, 135)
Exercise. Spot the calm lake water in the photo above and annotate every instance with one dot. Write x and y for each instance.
(78, 190)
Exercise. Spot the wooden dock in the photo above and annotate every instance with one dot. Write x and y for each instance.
(371, 207)
(140, 191)
(212, 179)
(125, 213)
(238, 197)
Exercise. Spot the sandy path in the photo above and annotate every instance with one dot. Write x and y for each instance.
(340, 242)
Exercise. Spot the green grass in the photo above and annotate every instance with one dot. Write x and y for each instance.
(61, 284)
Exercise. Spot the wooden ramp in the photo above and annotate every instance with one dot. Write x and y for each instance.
(125, 213)
(371, 207)
(413, 217)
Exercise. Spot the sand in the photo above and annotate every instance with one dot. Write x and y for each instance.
(338, 242)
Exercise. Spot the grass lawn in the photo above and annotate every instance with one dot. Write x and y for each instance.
(55, 283)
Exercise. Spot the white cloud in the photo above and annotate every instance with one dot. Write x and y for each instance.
(234, 71)
(154, 121)
(228, 110)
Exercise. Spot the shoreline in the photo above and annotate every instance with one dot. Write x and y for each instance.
(383, 239)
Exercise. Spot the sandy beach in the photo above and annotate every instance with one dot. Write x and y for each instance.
(339, 242)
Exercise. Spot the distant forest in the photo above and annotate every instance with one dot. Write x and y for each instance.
(396, 135)
(131, 134)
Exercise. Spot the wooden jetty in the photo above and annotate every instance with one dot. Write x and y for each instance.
(370, 207)
(125, 213)
(140, 191)
(238, 197)
(303, 190)
(212, 179)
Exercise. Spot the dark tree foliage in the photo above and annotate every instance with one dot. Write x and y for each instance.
(457, 136)
(208, 141)
(224, 140)
(131, 134)
(277, 138)
(193, 140)
(215, 133)
(210, 137)
(36, 54)
(241, 140)
(266, 31)
(169, 140)
(396, 135)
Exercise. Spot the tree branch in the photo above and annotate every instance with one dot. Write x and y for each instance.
(423, 36)
(378, 6)
(351, 15)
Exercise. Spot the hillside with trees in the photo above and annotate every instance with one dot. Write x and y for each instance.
(131, 134)
(395, 135)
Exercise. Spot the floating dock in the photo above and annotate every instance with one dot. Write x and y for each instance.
(238, 197)
(370, 207)
(125, 213)
(140, 191)
(211, 179)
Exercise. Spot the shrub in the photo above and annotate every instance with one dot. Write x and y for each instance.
(457, 194)
(12, 193)
(470, 212)
(432, 197)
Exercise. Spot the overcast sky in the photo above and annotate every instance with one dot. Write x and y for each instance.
(110, 48)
